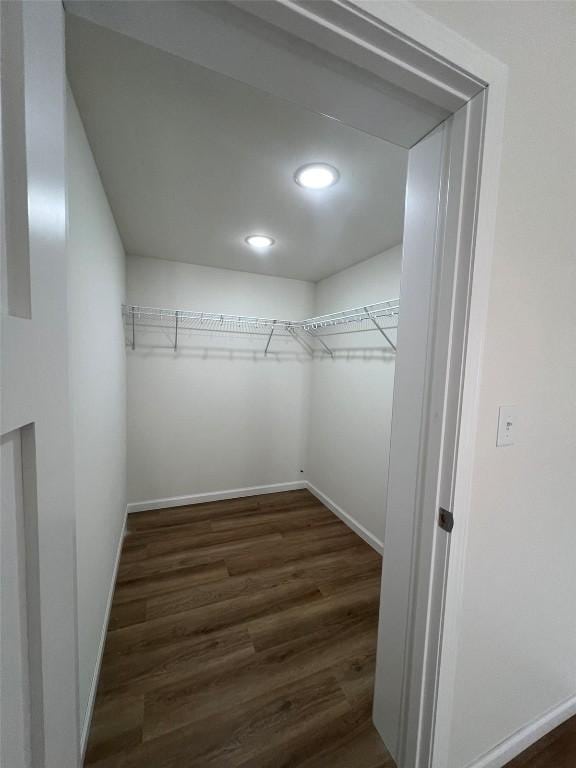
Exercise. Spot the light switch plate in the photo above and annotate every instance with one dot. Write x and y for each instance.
(507, 418)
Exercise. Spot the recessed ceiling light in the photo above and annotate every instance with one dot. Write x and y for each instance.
(316, 176)
(260, 241)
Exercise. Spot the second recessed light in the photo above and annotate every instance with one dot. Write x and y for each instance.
(260, 241)
(316, 176)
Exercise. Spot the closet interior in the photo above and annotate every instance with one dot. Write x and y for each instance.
(236, 262)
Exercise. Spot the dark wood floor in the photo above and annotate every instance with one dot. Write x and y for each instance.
(556, 750)
(243, 633)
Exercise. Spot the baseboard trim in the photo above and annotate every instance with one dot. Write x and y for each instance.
(357, 527)
(524, 737)
(257, 490)
(94, 686)
(200, 498)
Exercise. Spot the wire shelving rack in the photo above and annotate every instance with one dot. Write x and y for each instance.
(310, 333)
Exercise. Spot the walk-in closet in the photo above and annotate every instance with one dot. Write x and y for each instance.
(243, 254)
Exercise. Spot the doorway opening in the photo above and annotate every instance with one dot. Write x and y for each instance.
(263, 250)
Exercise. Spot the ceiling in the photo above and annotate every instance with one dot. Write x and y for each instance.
(193, 161)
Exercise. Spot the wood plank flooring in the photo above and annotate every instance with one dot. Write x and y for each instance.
(242, 635)
(555, 750)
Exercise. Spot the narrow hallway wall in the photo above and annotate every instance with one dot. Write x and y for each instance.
(98, 387)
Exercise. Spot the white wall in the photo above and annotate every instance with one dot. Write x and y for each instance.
(98, 390)
(351, 398)
(517, 657)
(216, 415)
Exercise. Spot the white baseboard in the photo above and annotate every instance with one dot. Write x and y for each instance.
(200, 498)
(357, 527)
(257, 490)
(94, 685)
(524, 737)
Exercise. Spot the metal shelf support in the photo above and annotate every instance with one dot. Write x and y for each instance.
(270, 337)
(382, 331)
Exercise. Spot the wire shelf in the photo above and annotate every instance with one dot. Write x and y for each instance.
(381, 317)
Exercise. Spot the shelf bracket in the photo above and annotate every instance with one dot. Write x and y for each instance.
(382, 331)
(176, 331)
(326, 347)
(270, 337)
(296, 337)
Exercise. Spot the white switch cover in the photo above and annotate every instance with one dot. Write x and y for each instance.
(506, 425)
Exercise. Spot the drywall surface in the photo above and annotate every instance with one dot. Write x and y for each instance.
(215, 415)
(98, 388)
(516, 658)
(351, 397)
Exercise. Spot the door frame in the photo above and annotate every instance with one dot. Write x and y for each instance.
(405, 46)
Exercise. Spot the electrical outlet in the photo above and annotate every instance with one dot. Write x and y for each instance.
(506, 425)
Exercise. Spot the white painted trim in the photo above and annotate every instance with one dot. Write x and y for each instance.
(94, 686)
(374, 48)
(496, 74)
(347, 518)
(524, 737)
(201, 498)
